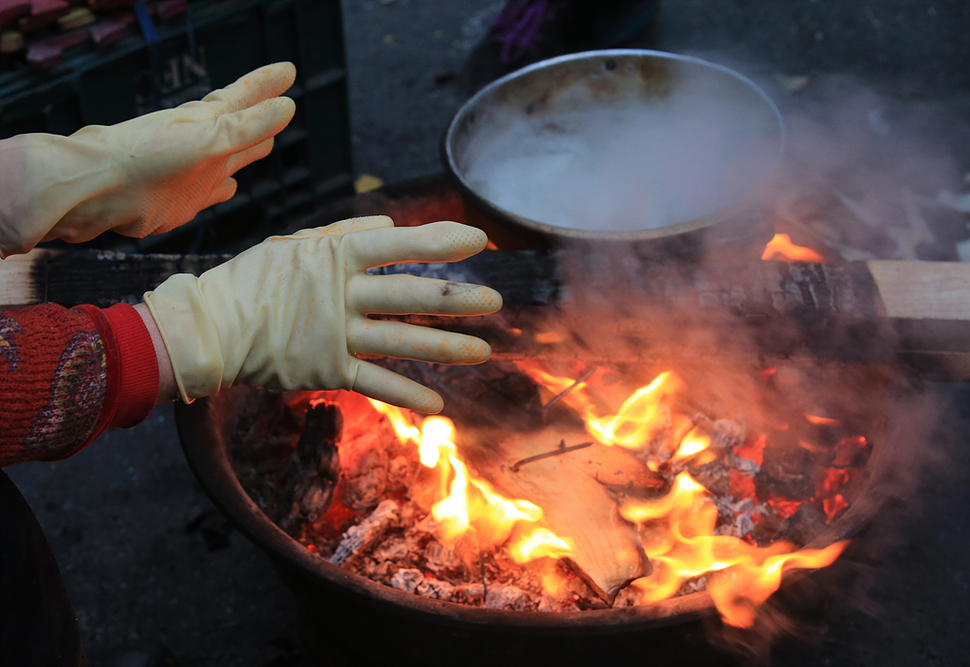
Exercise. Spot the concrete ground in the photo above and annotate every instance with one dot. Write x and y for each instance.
(145, 555)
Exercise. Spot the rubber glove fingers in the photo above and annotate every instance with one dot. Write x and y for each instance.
(358, 224)
(413, 295)
(222, 192)
(238, 131)
(246, 157)
(407, 341)
(250, 89)
(389, 387)
(434, 242)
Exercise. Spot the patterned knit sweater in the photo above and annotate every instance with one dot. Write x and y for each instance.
(66, 375)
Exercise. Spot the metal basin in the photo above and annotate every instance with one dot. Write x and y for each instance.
(616, 146)
(343, 614)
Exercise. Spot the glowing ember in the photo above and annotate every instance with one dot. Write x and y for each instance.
(780, 248)
(820, 421)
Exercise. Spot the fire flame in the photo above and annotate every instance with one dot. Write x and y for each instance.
(781, 248)
(678, 536)
(677, 531)
(467, 506)
(640, 417)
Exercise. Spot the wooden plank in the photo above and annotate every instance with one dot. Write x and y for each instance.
(20, 283)
(576, 505)
(70, 277)
(923, 290)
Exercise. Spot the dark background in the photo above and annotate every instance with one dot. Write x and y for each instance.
(145, 555)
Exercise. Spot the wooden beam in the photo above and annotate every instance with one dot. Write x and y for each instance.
(915, 290)
(835, 306)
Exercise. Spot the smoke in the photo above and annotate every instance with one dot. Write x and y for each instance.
(864, 174)
(639, 329)
(868, 174)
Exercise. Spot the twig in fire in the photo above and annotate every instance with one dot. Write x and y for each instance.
(568, 389)
(563, 449)
(481, 564)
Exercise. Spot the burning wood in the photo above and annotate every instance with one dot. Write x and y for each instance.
(603, 550)
(559, 451)
(685, 487)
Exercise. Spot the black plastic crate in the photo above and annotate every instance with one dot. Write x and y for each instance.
(210, 46)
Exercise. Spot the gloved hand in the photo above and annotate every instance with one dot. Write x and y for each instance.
(144, 176)
(291, 312)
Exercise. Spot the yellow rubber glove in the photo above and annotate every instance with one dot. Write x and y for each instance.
(144, 176)
(291, 312)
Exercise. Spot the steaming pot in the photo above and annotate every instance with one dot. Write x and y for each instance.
(556, 106)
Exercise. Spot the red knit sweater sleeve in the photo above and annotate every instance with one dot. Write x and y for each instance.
(67, 375)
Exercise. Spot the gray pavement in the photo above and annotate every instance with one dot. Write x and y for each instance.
(144, 554)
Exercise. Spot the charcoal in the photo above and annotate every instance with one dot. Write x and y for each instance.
(364, 462)
(407, 579)
(786, 473)
(439, 558)
(315, 469)
(436, 589)
(368, 532)
(503, 596)
(804, 525)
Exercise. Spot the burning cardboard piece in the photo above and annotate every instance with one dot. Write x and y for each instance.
(572, 490)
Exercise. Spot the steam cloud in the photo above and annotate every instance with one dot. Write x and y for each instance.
(629, 162)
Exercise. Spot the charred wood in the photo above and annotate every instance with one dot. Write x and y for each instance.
(315, 469)
(368, 532)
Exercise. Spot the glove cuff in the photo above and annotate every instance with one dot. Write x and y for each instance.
(190, 335)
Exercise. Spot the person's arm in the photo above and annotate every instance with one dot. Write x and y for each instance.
(66, 375)
(167, 389)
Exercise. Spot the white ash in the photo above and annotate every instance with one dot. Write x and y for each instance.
(504, 596)
(394, 549)
(407, 579)
(470, 591)
(436, 589)
(373, 527)
(364, 472)
(739, 514)
(439, 558)
(728, 432)
(399, 471)
(427, 525)
(744, 466)
(699, 584)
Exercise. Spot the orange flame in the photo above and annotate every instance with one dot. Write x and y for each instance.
(541, 542)
(677, 533)
(469, 505)
(820, 421)
(641, 416)
(781, 248)
(693, 443)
